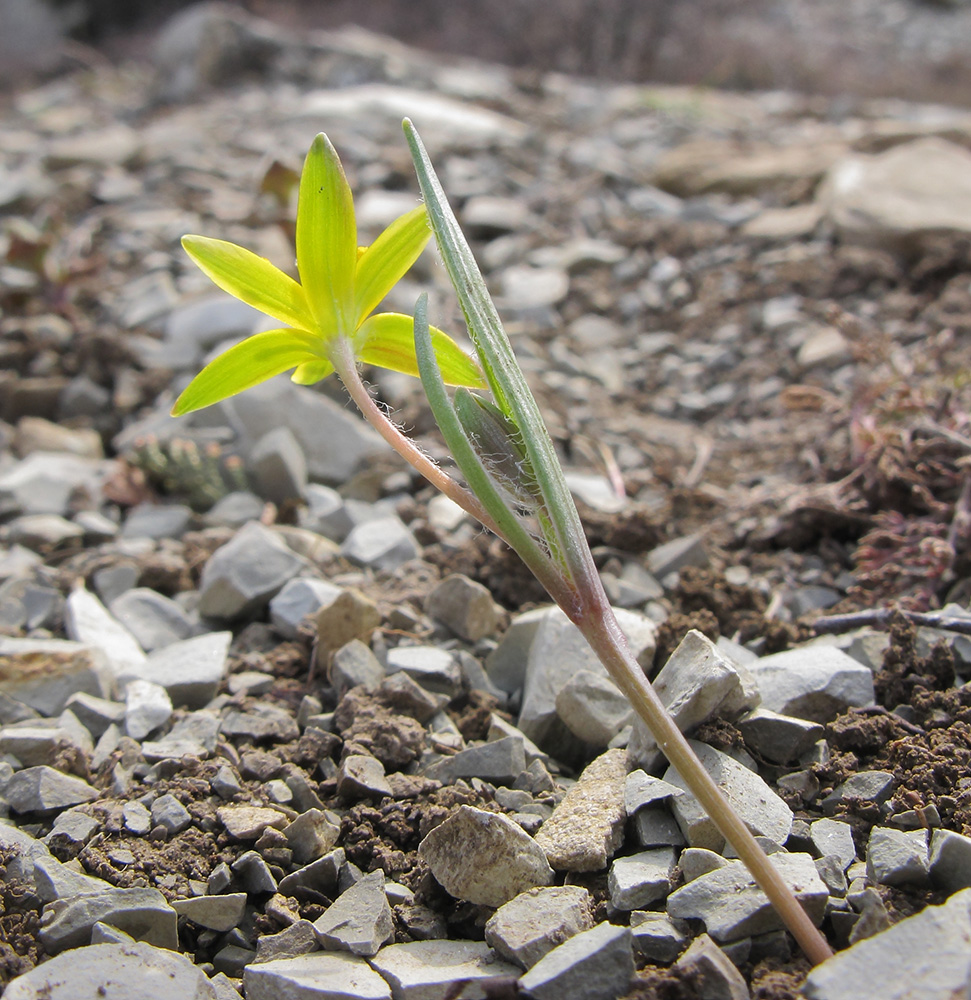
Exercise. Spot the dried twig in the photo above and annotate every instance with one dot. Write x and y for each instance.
(881, 616)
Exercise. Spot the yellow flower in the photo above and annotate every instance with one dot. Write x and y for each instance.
(330, 310)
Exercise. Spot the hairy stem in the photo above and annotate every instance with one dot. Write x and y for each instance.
(346, 367)
(599, 626)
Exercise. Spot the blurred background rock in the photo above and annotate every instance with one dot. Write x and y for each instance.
(916, 49)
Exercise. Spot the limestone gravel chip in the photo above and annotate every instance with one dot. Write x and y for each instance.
(331, 975)
(483, 857)
(114, 972)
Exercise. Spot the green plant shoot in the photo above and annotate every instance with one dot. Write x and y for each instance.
(514, 484)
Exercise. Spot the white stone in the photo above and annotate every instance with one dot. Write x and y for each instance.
(429, 970)
(637, 880)
(317, 976)
(533, 923)
(147, 706)
(88, 621)
(191, 670)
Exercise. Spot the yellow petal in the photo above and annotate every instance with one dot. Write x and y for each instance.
(250, 278)
(250, 362)
(388, 341)
(387, 259)
(326, 236)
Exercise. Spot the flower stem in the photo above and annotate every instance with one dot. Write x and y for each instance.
(346, 367)
(600, 628)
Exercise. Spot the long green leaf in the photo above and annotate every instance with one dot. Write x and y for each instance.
(505, 377)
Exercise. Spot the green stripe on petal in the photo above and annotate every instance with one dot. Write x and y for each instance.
(326, 236)
(250, 362)
(385, 262)
(388, 341)
(251, 278)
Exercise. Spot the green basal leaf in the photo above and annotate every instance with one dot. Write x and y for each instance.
(388, 341)
(385, 262)
(250, 362)
(505, 377)
(326, 236)
(251, 278)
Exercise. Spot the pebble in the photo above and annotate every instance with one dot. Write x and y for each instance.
(950, 860)
(278, 466)
(147, 707)
(698, 682)
(759, 807)
(350, 615)
(593, 709)
(637, 880)
(297, 939)
(297, 600)
(779, 738)
(435, 669)
(43, 789)
(254, 873)
(689, 550)
(95, 714)
(245, 822)
(924, 956)
(361, 776)
(597, 964)
(354, 664)
(330, 975)
(45, 673)
(500, 762)
(831, 837)
(157, 521)
(241, 577)
(359, 920)
(483, 857)
(429, 970)
(587, 827)
(897, 857)
(732, 906)
(88, 621)
(711, 971)
(43, 482)
(169, 813)
(133, 971)
(812, 682)
(144, 913)
(530, 925)
(217, 913)
(657, 937)
(873, 786)
(311, 835)
(382, 544)
(155, 621)
(464, 606)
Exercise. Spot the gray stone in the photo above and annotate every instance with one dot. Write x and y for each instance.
(641, 790)
(157, 521)
(812, 682)
(234, 510)
(321, 875)
(298, 599)
(190, 671)
(217, 913)
(950, 860)
(43, 789)
(592, 708)
(779, 738)
(33, 745)
(500, 762)
(530, 925)
(754, 801)
(242, 576)
(44, 482)
(278, 466)
(588, 825)
(311, 835)
(382, 544)
(325, 513)
(506, 664)
(657, 827)
(640, 879)
(88, 621)
(95, 714)
(429, 970)
(297, 939)
(435, 669)
(56, 881)
(732, 906)
(360, 776)
(169, 813)
(155, 621)
(657, 937)
(483, 857)
(330, 975)
(261, 722)
(712, 973)
(42, 531)
(464, 606)
(45, 673)
(254, 873)
(597, 964)
(830, 869)
(359, 920)
(147, 707)
(130, 971)
(137, 818)
(923, 957)
(143, 913)
(556, 652)
(354, 664)
(689, 550)
(872, 786)
(897, 857)
(247, 822)
(833, 837)
(698, 682)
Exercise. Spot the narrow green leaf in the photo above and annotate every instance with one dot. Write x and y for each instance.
(326, 235)
(388, 258)
(388, 341)
(505, 377)
(251, 278)
(250, 362)
(311, 372)
(467, 459)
